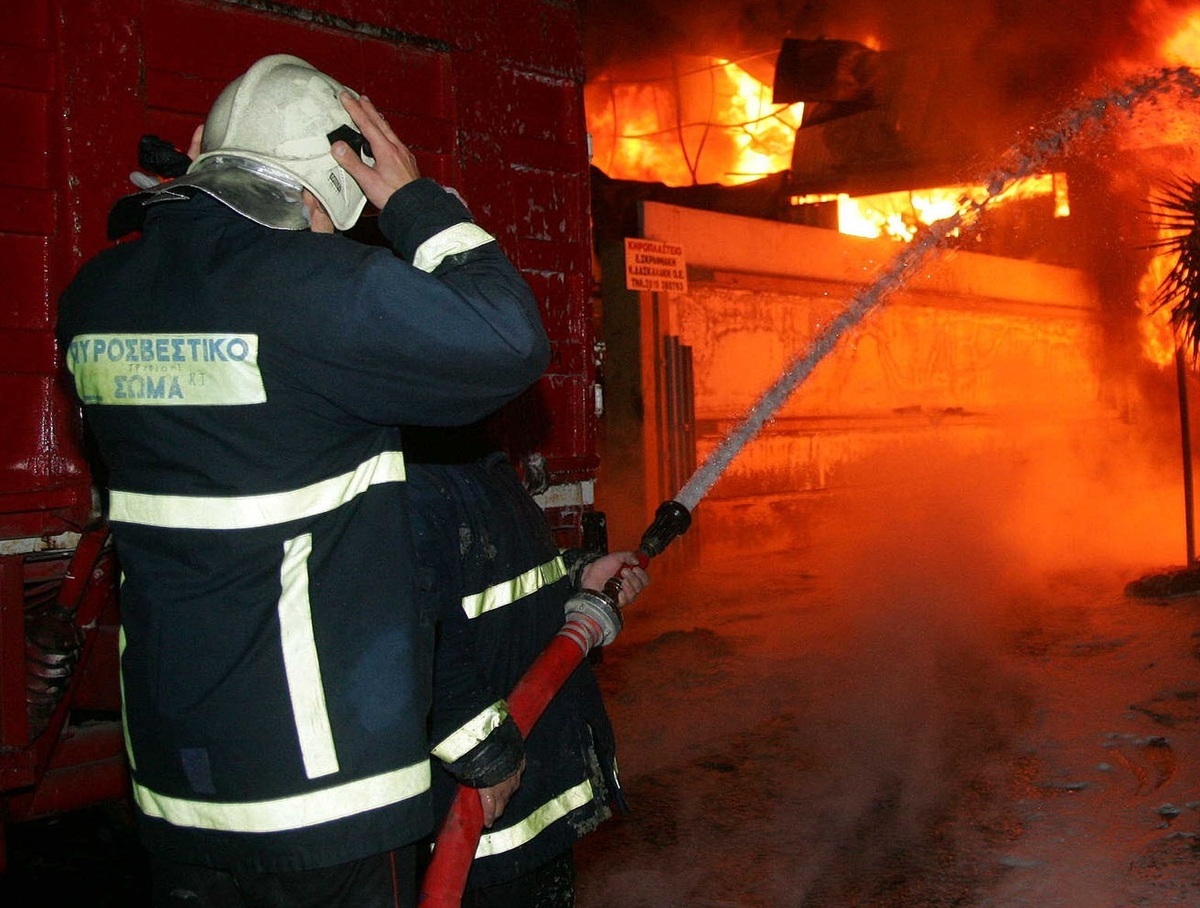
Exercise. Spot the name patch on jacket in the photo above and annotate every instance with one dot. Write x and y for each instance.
(167, 369)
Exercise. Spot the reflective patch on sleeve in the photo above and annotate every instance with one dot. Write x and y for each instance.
(471, 733)
(508, 592)
(452, 241)
(166, 369)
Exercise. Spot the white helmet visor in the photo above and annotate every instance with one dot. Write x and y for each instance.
(264, 194)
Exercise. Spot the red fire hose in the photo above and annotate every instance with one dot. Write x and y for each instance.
(593, 619)
(458, 837)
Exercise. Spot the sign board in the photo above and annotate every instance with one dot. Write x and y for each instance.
(652, 266)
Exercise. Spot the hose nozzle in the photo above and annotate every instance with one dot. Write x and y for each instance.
(670, 520)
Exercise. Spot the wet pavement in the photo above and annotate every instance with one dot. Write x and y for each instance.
(902, 712)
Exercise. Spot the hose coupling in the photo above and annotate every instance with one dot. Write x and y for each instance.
(599, 613)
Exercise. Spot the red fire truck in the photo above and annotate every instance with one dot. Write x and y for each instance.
(494, 111)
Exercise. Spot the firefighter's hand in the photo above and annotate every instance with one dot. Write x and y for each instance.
(493, 800)
(394, 164)
(623, 565)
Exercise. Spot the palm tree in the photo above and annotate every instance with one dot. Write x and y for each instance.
(1178, 213)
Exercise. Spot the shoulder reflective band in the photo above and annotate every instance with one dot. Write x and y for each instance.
(525, 830)
(452, 241)
(150, 370)
(196, 512)
(471, 733)
(295, 812)
(508, 592)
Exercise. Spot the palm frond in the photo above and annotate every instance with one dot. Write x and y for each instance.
(1177, 211)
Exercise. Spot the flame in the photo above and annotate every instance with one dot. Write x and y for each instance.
(1157, 334)
(899, 215)
(1183, 47)
(1166, 126)
(764, 132)
(711, 123)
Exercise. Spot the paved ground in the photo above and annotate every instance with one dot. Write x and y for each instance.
(913, 710)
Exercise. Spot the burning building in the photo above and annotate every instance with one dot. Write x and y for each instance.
(791, 172)
(931, 691)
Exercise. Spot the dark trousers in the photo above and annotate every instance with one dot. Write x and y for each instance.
(550, 886)
(386, 880)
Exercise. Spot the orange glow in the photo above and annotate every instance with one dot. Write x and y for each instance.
(1183, 47)
(1157, 334)
(710, 122)
(1165, 125)
(1168, 126)
(899, 215)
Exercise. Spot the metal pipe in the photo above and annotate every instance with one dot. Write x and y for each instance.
(1185, 433)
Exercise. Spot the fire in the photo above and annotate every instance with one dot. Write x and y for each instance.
(900, 215)
(1158, 336)
(1173, 128)
(712, 122)
(1183, 47)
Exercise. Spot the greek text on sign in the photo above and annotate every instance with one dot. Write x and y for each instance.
(654, 267)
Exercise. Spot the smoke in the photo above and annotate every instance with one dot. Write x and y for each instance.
(953, 536)
(837, 723)
(990, 67)
(943, 564)
(1026, 46)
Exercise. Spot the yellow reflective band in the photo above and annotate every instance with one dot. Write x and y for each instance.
(300, 662)
(452, 241)
(159, 370)
(195, 512)
(295, 812)
(510, 591)
(471, 733)
(121, 684)
(525, 830)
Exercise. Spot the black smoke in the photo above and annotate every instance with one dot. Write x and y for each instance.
(1009, 57)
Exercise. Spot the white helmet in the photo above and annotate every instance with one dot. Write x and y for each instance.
(268, 135)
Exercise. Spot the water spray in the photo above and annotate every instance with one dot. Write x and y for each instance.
(594, 619)
(1020, 162)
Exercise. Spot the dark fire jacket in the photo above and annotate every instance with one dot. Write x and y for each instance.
(491, 565)
(243, 385)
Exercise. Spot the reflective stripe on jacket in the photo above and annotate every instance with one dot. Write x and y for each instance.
(244, 386)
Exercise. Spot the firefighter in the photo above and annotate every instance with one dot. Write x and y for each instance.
(489, 563)
(242, 372)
